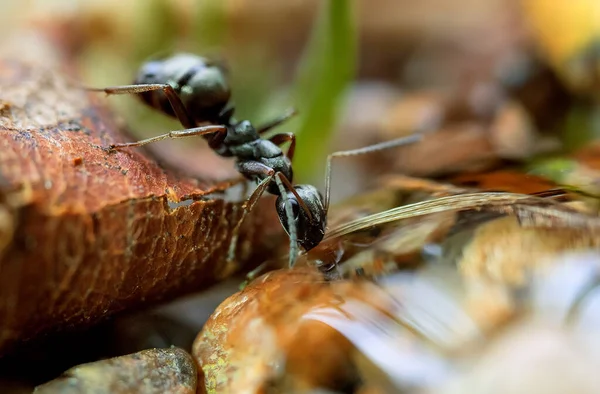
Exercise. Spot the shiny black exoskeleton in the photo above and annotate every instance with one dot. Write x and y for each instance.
(196, 91)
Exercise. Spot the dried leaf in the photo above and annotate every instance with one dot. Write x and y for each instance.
(505, 180)
(84, 232)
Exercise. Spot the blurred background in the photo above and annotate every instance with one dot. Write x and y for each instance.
(501, 80)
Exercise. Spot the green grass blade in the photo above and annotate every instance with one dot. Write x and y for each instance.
(327, 70)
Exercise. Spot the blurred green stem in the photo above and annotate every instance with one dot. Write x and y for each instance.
(326, 72)
(156, 30)
(210, 25)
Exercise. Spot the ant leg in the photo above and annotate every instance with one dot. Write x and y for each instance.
(218, 187)
(279, 139)
(250, 168)
(362, 151)
(277, 121)
(180, 111)
(194, 131)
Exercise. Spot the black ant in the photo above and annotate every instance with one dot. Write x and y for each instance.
(195, 90)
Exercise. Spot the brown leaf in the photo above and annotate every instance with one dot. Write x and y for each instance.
(403, 182)
(505, 180)
(85, 233)
(289, 331)
(150, 371)
(453, 148)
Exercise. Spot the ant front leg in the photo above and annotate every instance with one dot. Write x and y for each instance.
(178, 108)
(249, 168)
(194, 131)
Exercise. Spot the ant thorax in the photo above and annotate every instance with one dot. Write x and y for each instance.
(241, 133)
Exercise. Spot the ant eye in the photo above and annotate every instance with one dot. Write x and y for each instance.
(295, 208)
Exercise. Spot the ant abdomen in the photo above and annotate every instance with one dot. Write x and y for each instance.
(201, 84)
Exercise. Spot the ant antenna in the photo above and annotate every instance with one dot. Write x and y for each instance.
(298, 198)
(361, 151)
(290, 216)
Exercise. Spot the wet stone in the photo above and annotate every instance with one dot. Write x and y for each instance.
(149, 371)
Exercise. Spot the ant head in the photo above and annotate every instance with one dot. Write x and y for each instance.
(150, 72)
(309, 216)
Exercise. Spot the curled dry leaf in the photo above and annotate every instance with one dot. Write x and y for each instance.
(150, 371)
(260, 338)
(83, 232)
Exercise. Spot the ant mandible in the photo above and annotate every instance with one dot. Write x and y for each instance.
(195, 90)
